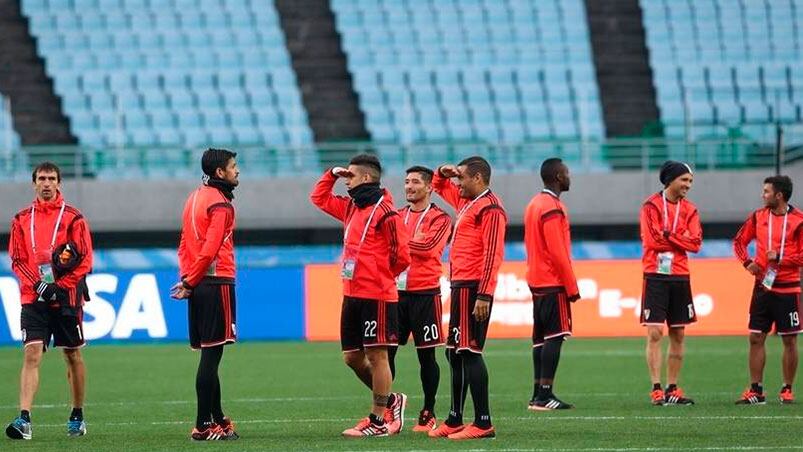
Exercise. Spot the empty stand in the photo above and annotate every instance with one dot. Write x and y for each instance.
(471, 70)
(725, 65)
(173, 73)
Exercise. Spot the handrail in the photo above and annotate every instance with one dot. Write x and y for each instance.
(584, 155)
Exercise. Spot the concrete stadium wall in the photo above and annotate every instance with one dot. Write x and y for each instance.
(283, 203)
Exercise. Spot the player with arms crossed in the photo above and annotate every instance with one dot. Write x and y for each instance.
(670, 229)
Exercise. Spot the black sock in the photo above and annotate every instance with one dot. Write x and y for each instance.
(392, 361)
(376, 420)
(545, 392)
(205, 384)
(217, 408)
(77, 414)
(459, 388)
(478, 384)
(536, 369)
(786, 386)
(430, 376)
(25, 415)
(550, 357)
(671, 387)
(757, 387)
(656, 386)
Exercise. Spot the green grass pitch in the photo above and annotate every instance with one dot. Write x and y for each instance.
(300, 396)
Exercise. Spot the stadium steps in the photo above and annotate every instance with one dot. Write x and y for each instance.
(37, 112)
(622, 66)
(320, 66)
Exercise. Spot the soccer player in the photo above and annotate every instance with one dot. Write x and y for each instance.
(375, 251)
(419, 286)
(670, 228)
(551, 279)
(206, 265)
(778, 231)
(477, 248)
(51, 253)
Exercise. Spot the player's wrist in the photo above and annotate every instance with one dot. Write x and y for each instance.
(485, 297)
(185, 284)
(747, 263)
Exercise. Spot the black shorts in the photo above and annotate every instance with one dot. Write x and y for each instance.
(368, 323)
(39, 322)
(212, 315)
(465, 332)
(667, 301)
(421, 315)
(781, 309)
(552, 315)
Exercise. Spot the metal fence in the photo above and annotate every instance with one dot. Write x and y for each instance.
(581, 155)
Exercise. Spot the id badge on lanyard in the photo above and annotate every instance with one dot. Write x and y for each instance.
(769, 278)
(665, 262)
(772, 271)
(350, 253)
(666, 258)
(401, 280)
(43, 258)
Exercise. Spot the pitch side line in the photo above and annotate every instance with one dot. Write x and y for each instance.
(521, 418)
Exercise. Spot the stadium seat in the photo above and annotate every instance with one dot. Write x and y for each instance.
(179, 59)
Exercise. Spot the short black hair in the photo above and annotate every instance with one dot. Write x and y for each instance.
(477, 164)
(46, 167)
(369, 161)
(781, 184)
(550, 170)
(425, 172)
(214, 159)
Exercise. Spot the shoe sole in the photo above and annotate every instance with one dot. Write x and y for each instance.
(365, 436)
(491, 436)
(13, 433)
(403, 407)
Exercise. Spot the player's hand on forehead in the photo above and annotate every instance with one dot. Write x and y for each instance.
(450, 171)
(339, 171)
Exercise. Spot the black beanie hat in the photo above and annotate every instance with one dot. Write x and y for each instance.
(671, 170)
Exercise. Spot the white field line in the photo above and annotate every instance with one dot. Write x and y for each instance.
(516, 418)
(523, 397)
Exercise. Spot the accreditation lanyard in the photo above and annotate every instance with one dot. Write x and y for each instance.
(420, 219)
(367, 224)
(55, 228)
(666, 214)
(463, 212)
(783, 233)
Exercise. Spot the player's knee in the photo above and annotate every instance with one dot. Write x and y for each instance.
(353, 360)
(757, 338)
(32, 356)
(73, 357)
(376, 356)
(654, 334)
(789, 341)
